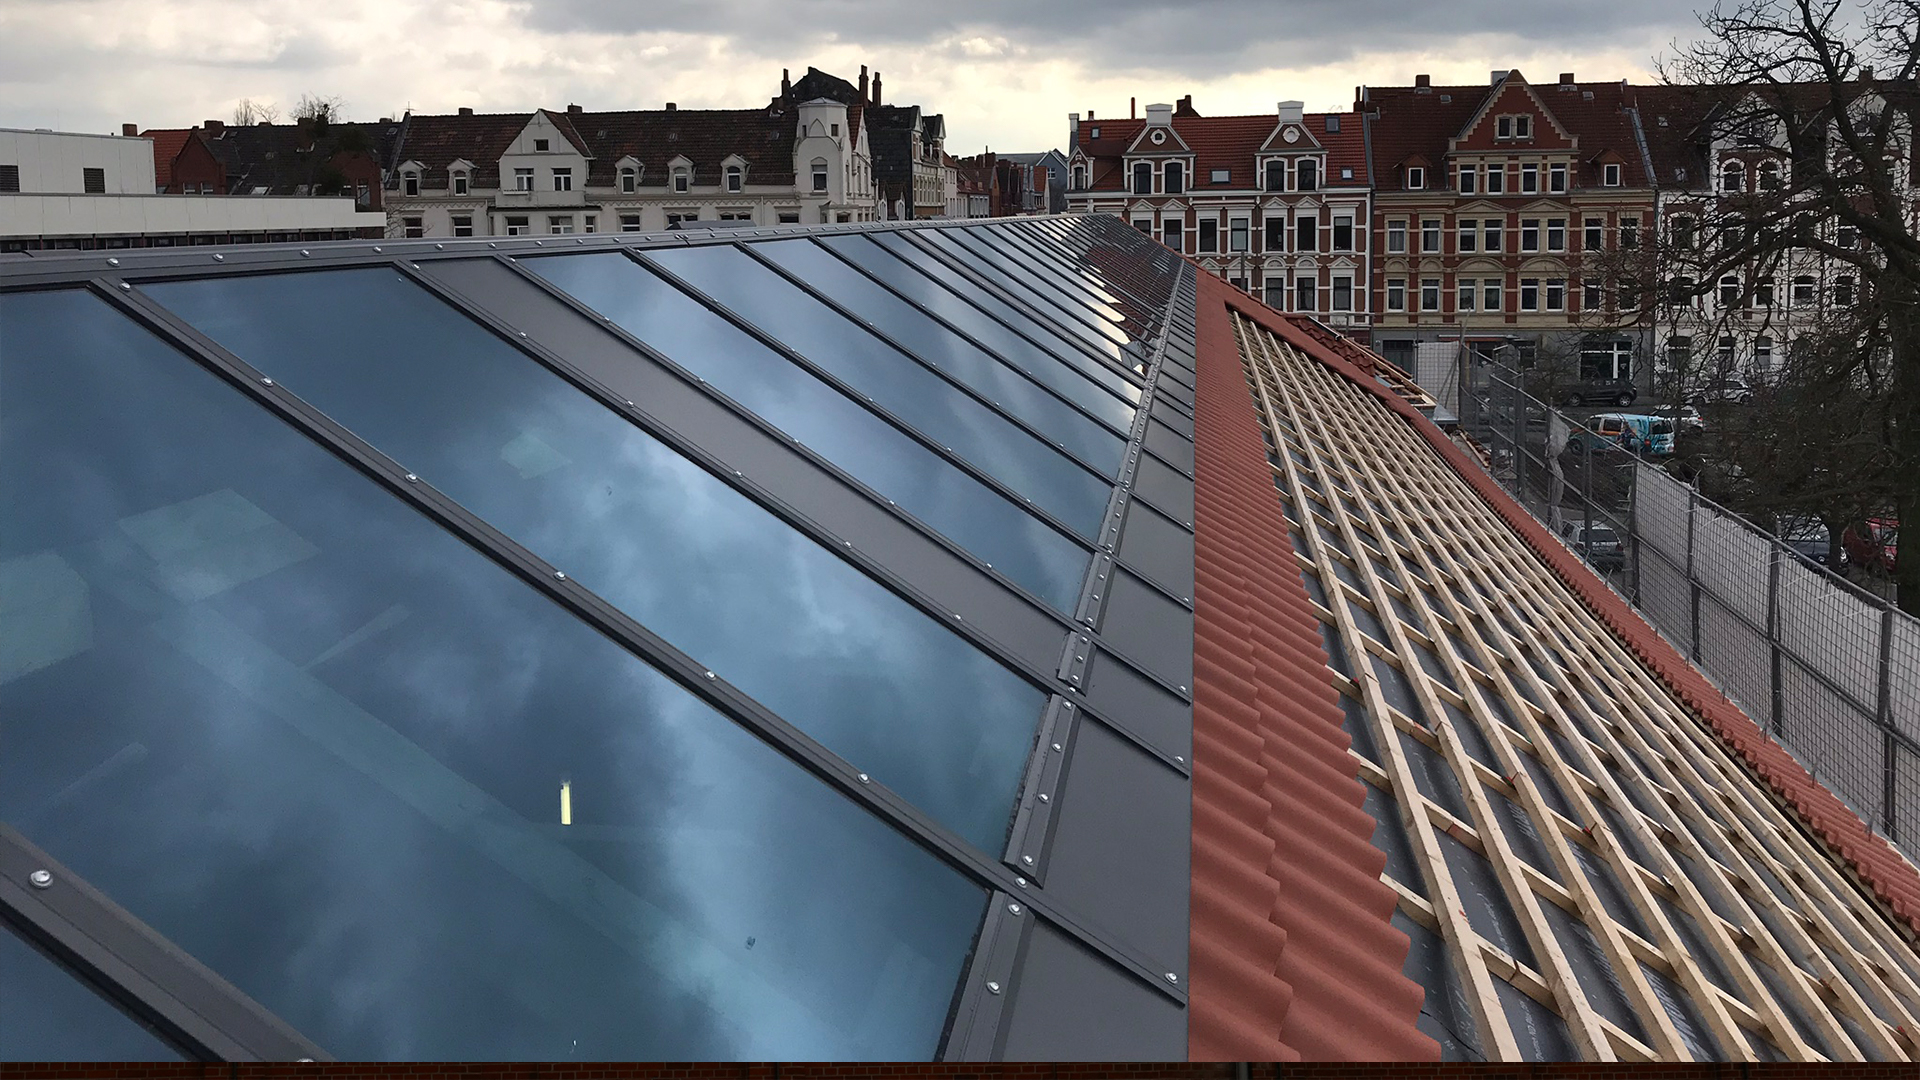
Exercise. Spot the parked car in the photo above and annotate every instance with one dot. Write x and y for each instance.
(1809, 541)
(1619, 392)
(1636, 433)
(1872, 544)
(1731, 388)
(1685, 418)
(1599, 544)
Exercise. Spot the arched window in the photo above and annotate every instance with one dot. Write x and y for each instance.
(1176, 178)
(736, 178)
(1843, 291)
(1733, 177)
(629, 180)
(1769, 176)
(1079, 178)
(819, 174)
(1277, 174)
(1142, 178)
(1729, 291)
(1803, 290)
(1307, 175)
(410, 182)
(460, 185)
(682, 179)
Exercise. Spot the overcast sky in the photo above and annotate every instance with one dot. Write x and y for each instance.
(1005, 72)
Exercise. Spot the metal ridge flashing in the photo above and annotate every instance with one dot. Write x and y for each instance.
(1293, 956)
(1875, 864)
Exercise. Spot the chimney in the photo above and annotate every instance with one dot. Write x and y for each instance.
(1423, 84)
(1494, 78)
(863, 82)
(129, 129)
(672, 107)
(575, 110)
(1073, 131)
(214, 127)
(465, 110)
(876, 86)
(1566, 78)
(1292, 112)
(786, 83)
(1159, 116)
(1133, 108)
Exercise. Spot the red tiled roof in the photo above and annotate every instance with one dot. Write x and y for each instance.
(167, 144)
(1894, 880)
(762, 137)
(1420, 121)
(1223, 142)
(1292, 953)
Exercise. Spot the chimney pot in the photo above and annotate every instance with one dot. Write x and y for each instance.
(466, 110)
(1566, 78)
(671, 107)
(574, 110)
(876, 86)
(129, 129)
(786, 83)
(1133, 108)
(214, 127)
(1423, 82)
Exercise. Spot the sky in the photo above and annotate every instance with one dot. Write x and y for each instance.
(1004, 72)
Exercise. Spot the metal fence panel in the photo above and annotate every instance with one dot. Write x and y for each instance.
(1830, 628)
(1832, 739)
(1739, 657)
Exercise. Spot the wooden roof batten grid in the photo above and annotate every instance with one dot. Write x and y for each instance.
(1407, 495)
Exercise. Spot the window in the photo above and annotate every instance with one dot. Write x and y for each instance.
(1396, 294)
(1629, 233)
(540, 146)
(9, 178)
(1494, 227)
(1682, 232)
(631, 222)
(1303, 292)
(1523, 127)
(1503, 128)
(1681, 292)
(1529, 179)
(1416, 178)
(563, 179)
(629, 181)
(1529, 234)
(517, 225)
(1144, 224)
(591, 223)
(1277, 175)
(1306, 231)
(1723, 355)
(1763, 294)
(833, 130)
(1729, 291)
(1733, 177)
(1343, 233)
(736, 178)
(410, 183)
(1610, 174)
(1094, 133)
(362, 193)
(1556, 294)
(1237, 234)
(1430, 236)
(460, 182)
(788, 217)
(1679, 352)
(676, 217)
(523, 179)
(1079, 178)
(1490, 293)
(94, 180)
(413, 227)
(1843, 291)
(1277, 232)
(1209, 235)
(1221, 176)
(1557, 179)
(1593, 238)
(1529, 294)
(1469, 178)
(1769, 176)
(1333, 125)
(1397, 237)
(1763, 354)
(1142, 178)
(1802, 290)
(1176, 178)
(819, 174)
(735, 215)
(1556, 234)
(1307, 174)
(683, 179)
(1590, 298)
(1430, 294)
(463, 224)
(1496, 179)
(1276, 294)
(1845, 236)
(1467, 235)
(1463, 298)
(560, 226)
(1342, 294)
(1173, 234)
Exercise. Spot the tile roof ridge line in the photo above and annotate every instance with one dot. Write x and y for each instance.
(1864, 855)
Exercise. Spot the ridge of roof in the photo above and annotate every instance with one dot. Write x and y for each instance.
(1893, 880)
(1292, 953)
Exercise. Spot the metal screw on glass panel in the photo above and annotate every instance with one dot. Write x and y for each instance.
(42, 879)
(1172, 978)
(710, 674)
(439, 247)
(305, 254)
(1056, 748)
(412, 479)
(1183, 690)
(1044, 797)
(376, 249)
(865, 779)
(559, 575)
(1179, 759)
(266, 382)
(1020, 881)
(1013, 909)
(113, 262)
(126, 287)
(1027, 859)
(219, 258)
(1069, 704)
(993, 988)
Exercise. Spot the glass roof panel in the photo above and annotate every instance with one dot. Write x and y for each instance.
(788, 621)
(1032, 282)
(1067, 281)
(948, 295)
(1025, 549)
(48, 1015)
(919, 397)
(1082, 436)
(395, 795)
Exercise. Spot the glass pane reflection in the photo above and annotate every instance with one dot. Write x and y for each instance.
(321, 745)
(806, 633)
(917, 396)
(929, 487)
(48, 1015)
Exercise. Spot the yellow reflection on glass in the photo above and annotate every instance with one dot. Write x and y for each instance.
(566, 802)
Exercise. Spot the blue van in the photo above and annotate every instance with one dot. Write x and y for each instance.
(1633, 432)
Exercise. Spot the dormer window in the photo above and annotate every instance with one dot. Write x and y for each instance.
(540, 146)
(629, 180)
(1610, 175)
(1333, 125)
(410, 182)
(1416, 178)
(736, 178)
(1221, 176)
(682, 180)
(1079, 178)
(460, 185)
(1093, 133)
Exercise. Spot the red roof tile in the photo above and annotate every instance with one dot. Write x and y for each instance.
(1223, 142)
(167, 144)
(1420, 121)
(1292, 953)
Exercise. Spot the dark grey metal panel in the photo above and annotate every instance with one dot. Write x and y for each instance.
(1166, 489)
(1070, 1005)
(980, 1008)
(766, 460)
(1158, 547)
(1149, 629)
(1122, 841)
(1170, 446)
(1117, 691)
(1172, 416)
(1170, 390)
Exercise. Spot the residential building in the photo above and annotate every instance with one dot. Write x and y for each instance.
(913, 176)
(68, 190)
(1045, 182)
(1276, 204)
(308, 157)
(1510, 215)
(994, 640)
(577, 172)
(1014, 183)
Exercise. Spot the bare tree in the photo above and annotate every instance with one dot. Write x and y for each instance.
(1811, 104)
(250, 112)
(319, 110)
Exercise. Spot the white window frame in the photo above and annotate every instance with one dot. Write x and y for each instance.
(1396, 294)
(1557, 234)
(1397, 236)
(1464, 292)
(1529, 235)
(1557, 178)
(1430, 291)
(1466, 238)
(461, 184)
(523, 180)
(1416, 178)
(563, 179)
(1469, 182)
(1553, 295)
(736, 178)
(629, 180)
(1610, 174)
(1492, 293)
(1529, 179)
(1496, 180)
(1529, 294)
